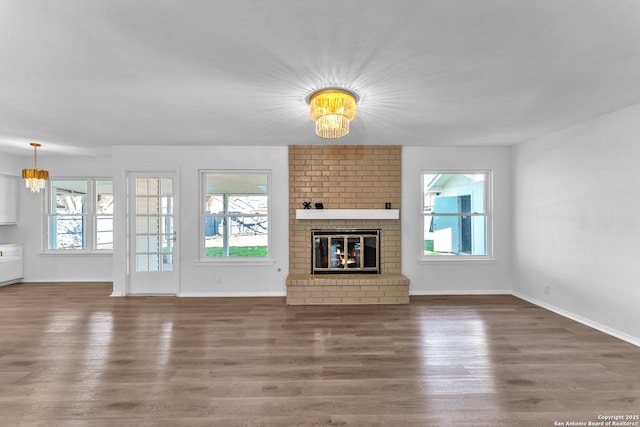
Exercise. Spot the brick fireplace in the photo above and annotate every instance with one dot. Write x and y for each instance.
(354, 184)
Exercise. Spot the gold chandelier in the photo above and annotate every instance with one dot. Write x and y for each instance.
(35, 179)
(332, 109)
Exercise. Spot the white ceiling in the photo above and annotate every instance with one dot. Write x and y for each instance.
(82, 75)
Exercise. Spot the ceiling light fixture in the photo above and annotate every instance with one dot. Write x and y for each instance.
(332, 109)
(35, 179)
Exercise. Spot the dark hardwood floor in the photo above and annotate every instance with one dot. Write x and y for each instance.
(70, 355)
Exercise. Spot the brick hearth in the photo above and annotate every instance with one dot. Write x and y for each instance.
(307, 289)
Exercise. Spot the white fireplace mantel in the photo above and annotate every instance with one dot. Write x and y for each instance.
(347, 214)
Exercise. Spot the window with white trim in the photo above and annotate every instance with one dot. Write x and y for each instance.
(456, 215)
(79, 215)
(235, 214)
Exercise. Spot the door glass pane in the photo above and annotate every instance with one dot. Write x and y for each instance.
(167, 222)
(154, 205)
(166, 205)
(142, 262)
(142, 224)
(142, 205)
(167, 243)
(154, 262)
(154, 225)
(154, 243)
(167, 186)
(154, 186)
(141, 186)
(142, 244)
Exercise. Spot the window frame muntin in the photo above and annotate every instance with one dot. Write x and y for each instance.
(202, 259)
(488, 214)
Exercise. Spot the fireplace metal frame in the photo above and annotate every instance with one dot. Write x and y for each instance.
(345, 234)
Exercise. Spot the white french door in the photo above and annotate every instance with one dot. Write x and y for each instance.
(153, 242)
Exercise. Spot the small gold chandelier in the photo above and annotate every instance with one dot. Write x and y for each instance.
(332, 109)
(35, 179)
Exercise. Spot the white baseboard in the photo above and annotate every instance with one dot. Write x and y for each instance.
(233, 294)
(75, 279)
(460, 292)
(595, 325)
(213, 294)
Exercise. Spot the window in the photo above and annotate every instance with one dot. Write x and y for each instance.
(456, 215)
(80, 215)
(235, 214)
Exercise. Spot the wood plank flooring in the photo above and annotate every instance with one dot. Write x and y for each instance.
(70, 355)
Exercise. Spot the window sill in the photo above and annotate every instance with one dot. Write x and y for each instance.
(448, 259)
(63, 252)
(235, 261)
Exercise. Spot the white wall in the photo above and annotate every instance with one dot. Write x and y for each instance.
(577, 228)
(11, 164)
(459, 277)
(29, 231)
(201, 279)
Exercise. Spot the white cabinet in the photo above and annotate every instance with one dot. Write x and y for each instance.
(11, 264)
(8, 199)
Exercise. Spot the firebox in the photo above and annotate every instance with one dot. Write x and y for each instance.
(345, 251)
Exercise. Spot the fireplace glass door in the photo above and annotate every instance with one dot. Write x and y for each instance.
(345, 251)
